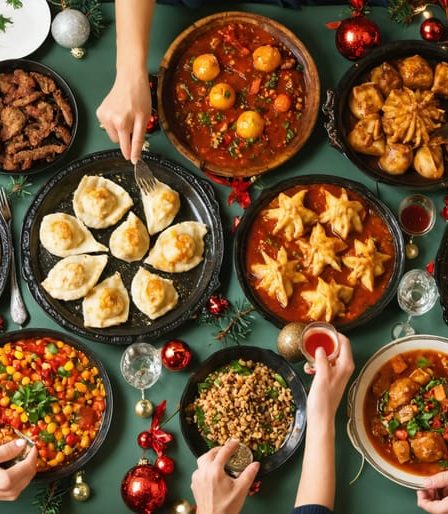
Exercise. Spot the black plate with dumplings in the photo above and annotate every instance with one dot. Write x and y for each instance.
(5, 255)
(198, 203)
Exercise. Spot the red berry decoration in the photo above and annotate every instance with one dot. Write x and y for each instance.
(176, 355)
(144, 440)
(143, 488)
(430, 267)
(165, 465)
(153, 123)
(444, 212)
(432, 29)
(356, 36)
(217, 305)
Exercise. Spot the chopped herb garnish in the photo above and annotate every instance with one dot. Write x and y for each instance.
(34, 399)
(286, 124)
(272, 393)
(211, 444)
(46, 437)
(272, 81)
(299, 67)
(62, 372)
(393, 425)
(2, 368)
(52, 348)
(443, 463)
(412, 427)
(383, 402)
(227, 94)
(290, 135)
(240, 369)
(423, 362)
(263, 450)
(280, 380)
(193, 77)
(187, 91)
(203, 386)
(204, 118)
(219, 116)
(433, 383)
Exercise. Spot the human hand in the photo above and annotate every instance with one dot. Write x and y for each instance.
(213, 489)
(125, 112)
(434, 498)
(14, 479)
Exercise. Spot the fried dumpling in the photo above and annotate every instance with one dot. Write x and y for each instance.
(277, 276)
(440, 86)
(366, 264)
(386, 77)
(396, 159)
(367, 136)
(100, 203)
(130, 241)
(321, 251)
(178, 248)
(107, 304)
(365, 99)
(73, 277)
(153, 295)
(161, 206)
(343, 215)
(291, 215)
(416, 72)
(428, 162)
(64, 235)
(328, 300)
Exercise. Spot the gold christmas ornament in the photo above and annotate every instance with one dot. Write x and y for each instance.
(288, 341)
(144, 408)
(78, 53)
(80, 490)
(411, 251)
(182, 507)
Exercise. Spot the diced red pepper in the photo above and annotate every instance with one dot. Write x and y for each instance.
(401, 434)
(255, 86)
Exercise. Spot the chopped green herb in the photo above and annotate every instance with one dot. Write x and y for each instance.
(52, 348)
(443, 463)
(272, 393)
(34, 399)
(216, 418)
(263, 450)
(290, 135)
(234, 148)
(271, 241)
(240, 369)
(412, 427)
(204, 118)
(280, 380)
(200, 419)
(62, 372)
(187, 91)
(272, 81)
(219, 116)
(46, 437)
(393, 425)
(2, 368)
(217, 382)
(433, 383)
(211, 444)
(227, 94)
(286, 124)
(203, 386)
(193, 77)
(298, 115)
(60, 445)
(383, 402)
(299, 67)
(423, 362)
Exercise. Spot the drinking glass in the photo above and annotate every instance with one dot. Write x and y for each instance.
(416, 216)
(417, 294)
(319, 334)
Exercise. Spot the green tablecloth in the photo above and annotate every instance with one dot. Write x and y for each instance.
(91, 78)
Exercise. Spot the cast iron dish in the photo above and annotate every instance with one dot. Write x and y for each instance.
(441, 274)
(355, 405)
(198, 203)
(336, 108)
(242, 242)
(277, 364)
(167, 81)
(5, 255)
(82, 460)
(27, 65)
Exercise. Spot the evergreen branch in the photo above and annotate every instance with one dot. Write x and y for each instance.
(48, 500)
(401, 11)
(236, 324)
(4, 21)
(19, 186)
(15, 4)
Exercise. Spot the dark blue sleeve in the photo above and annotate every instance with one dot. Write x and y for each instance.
(281, 3)
(312, 509)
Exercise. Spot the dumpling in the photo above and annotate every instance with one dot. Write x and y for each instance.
(328, 300)
(367, 136)
(396, 159)
(343, 215)
(73, 277)
(107, 304)
(178, 248)
(416, 72)
(440, 86)
(153, 295)
(161, 206)
(365, 99)
(428, 162)
(386, 77)
(64, 235)
(130, 241)
(100, 203)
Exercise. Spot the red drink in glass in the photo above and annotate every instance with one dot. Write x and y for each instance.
(323, 335)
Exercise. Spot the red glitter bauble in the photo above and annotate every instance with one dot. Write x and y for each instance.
(143, 489)
(217, 305)
(144, 440)
(356, 36)
(432, 29)
(164, 464)
(176, 355)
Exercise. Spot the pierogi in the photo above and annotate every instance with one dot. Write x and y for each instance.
(129, 241)
(64, 235)
(107, 304)
(161, 206)
(100, 203)
(153, 295)
(179, 248)
(73, 277)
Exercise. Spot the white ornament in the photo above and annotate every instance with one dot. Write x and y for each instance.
(70, 28)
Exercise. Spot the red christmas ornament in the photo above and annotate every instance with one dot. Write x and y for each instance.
(164, 464)
(176, 355)
(217, 305)
(444, 212)
(153, 123)
(430, 267)
(159, 438)
(432, 29)
(143, 488)
(356, 36)
(144, 440)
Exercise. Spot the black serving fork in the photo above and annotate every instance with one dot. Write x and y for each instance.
(144, 177)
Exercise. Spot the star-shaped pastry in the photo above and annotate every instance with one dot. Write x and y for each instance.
(321, 251)
(277, 276)
(366, 264)
(291, 215)
(342, 214)
(328, 300)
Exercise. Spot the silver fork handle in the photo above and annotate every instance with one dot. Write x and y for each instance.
(18, 311)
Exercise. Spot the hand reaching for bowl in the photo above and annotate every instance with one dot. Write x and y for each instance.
(14, 479)
(434, 499)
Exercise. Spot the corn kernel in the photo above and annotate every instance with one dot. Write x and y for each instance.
(53, 463)
(65, 430)
(67, 410)
(85, 441)
(47, 419)
(51, 428)
(82, 388)
(85, 374)
(51, 447)
(24, 417)
(58, 435)
(17, 376)
(74, 427)
(59, 388)
(68, 366)
(26, 381)
(60, 344)
(18, 355)
(10, 370)
(5, 401)
(68, 450)
(19, 410)
(55, 408)
(60, 457)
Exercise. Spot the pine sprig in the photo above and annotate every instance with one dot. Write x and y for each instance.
(401, 11)
(3, 22)
(48, 499)
(15, 4)
(19, 187)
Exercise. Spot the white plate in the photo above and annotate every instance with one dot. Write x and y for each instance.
(356, 426)
(30, 27)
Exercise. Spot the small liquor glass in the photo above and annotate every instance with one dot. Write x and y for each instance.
(417, 216)
(319, 334)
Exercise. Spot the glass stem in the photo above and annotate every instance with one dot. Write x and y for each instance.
(143, 393)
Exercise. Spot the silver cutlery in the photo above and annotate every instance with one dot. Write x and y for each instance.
(144, 177)
(18, 310)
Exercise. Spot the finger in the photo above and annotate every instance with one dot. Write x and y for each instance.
(345, 360)
(433, 506)
(112, 133)
(23, 472)
(226, 452)
(437, 481)
(208, 457)
(125, 143)
(138, 138)
(12, 449)
(321, 363)
(247, 477)
(426, 494)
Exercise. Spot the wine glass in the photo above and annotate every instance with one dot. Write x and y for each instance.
(141, 366)
(417, 294)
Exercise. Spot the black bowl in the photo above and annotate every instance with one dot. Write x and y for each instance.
(27, 65)
(82, 460)
(275, 362)
(5, 255)
(441, 274)
(336, 109)
(268, 195)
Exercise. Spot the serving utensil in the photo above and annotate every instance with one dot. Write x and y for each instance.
(18, 311)
(144, 177)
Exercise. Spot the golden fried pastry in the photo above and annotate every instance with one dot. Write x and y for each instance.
(129, 241)
(396, 159)
(366, 264)
(367, 136)
(343, 215)
(416, 72)
(277, 276)
(386, 77)
(365, 99)
(292, 216)
(440, 86)
(428, 162)
(328, 300)
(321, 251)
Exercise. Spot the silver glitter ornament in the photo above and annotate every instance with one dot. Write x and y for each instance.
(70, 28)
